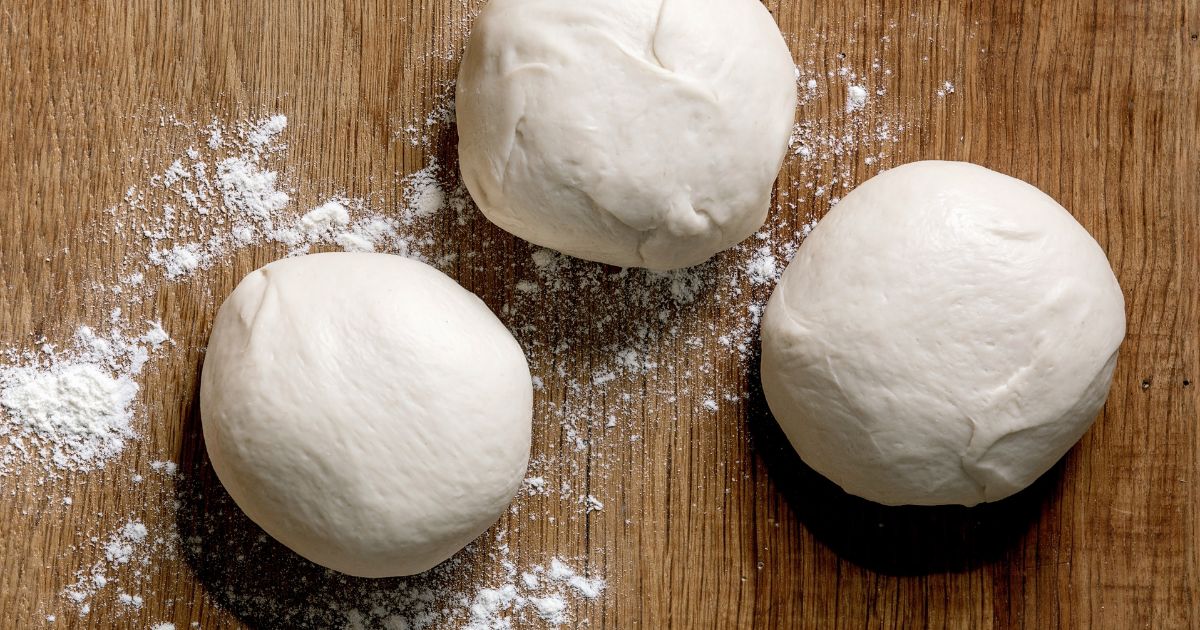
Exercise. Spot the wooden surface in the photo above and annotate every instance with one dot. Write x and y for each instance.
(709, 519)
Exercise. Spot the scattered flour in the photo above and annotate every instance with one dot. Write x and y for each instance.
(119, 549)
(545, 592)
(202, 223)
(551, 608)
(194, 221)
(180, 261)
(76, 409)
(125, 556)
(424, 196)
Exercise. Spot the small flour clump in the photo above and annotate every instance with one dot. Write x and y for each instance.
(74, 407)
(539, 589)
(424, 196)
(325, 218)
(179, 261)
(552, 608)
(119, 549)
(763, 268)
(330, 224)
(126, 599)
(561, 573)
(249, 189)
(80, 410)
(856, 98)
(267, 130)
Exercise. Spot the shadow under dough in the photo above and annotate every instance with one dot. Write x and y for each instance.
(892, 540)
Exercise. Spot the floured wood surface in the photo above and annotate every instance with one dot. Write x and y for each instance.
(661, 471)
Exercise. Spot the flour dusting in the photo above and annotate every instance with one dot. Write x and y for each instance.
(592, 334)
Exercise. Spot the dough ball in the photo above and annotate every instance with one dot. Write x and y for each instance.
(639, 133)
(365, 410)
(943, 336)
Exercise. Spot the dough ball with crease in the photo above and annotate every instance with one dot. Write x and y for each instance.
(943, 336)
(365, 410)
(639, 133)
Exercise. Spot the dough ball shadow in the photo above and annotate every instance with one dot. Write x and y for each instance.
(892, 540)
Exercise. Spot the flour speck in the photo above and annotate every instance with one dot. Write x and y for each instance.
(856, 98)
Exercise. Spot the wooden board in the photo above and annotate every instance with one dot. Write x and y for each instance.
(709, 520)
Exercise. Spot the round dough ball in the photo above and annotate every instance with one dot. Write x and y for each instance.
(639, 133)
(365, 410)
(943, 336)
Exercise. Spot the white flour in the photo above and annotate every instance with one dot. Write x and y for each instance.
(249, 190)
(325, 219)
(856, 98)
(267, 130)
(194, 221)
(763, 268)
(545, 592)
(126, 556)
(73, 409)
(79, 410)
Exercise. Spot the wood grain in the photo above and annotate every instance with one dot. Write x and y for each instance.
(709, 522)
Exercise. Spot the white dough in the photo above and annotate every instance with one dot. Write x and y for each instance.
(639, 133)
(943, 336)
(365, 410)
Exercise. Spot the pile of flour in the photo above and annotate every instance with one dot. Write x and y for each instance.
(73, 409)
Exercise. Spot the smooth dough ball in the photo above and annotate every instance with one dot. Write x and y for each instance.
(943, 336)
(639, 133)
(365, 410)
